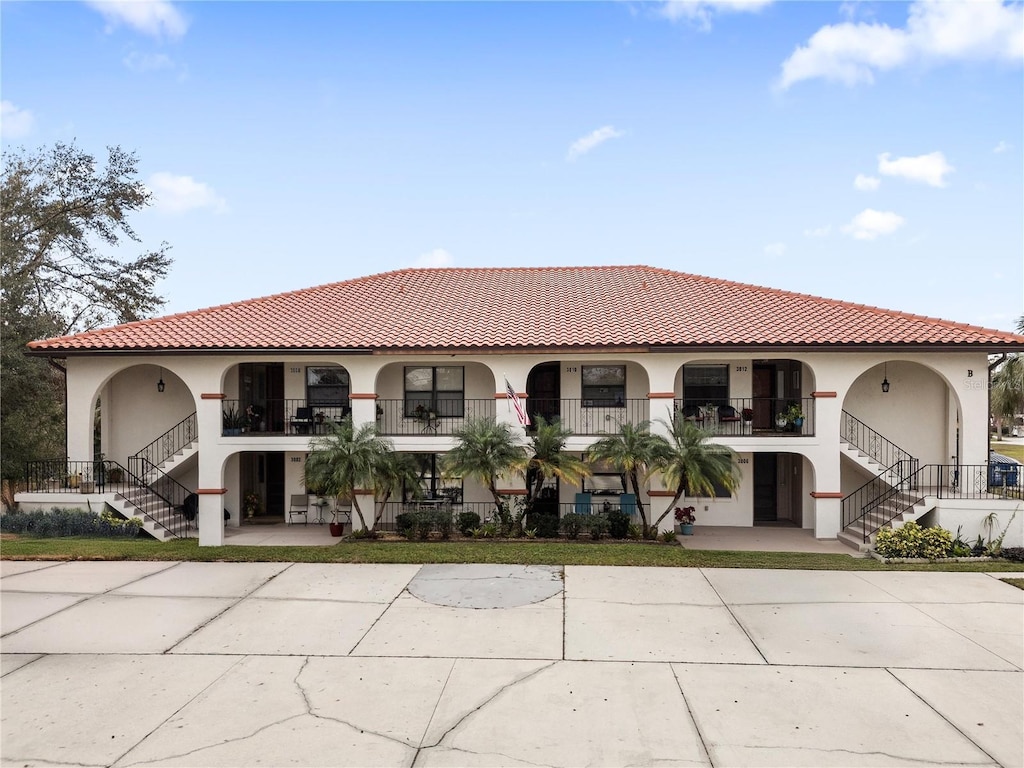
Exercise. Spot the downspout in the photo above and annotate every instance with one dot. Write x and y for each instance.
(64, 372)
(991, 368)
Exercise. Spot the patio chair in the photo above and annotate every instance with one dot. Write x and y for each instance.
(299, 506)
(302, 420)
(727, 413)
(583, 503)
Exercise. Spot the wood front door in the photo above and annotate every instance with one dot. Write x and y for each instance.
(765, 487)
(762, 382)
(544, 390)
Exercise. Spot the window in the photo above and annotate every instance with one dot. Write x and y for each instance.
(720, 493)
(432, 485)
(604, 386)
(605, 484)
(327, 386)
(706, 384)
(440, 389)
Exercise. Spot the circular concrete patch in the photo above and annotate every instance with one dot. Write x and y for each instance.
(486, 586)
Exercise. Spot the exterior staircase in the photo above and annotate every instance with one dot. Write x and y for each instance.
(889, 496)
(158, 517)
(152, 494)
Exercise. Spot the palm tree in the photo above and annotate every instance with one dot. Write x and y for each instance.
(485, 449)
(392, 472)
(344, 460)
(693, 465)
(632, 450)
(1007, 396)
(549, 459)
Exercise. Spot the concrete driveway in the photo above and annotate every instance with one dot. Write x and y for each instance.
(241, 664)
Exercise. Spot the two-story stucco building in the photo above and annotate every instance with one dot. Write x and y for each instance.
(224, 402)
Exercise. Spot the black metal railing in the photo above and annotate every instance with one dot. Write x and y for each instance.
(62, 476)
(142, 485)
(171, 442)
(285, 416)
(487, 511)
(159, 496)
(584, 416)
(754, 416)
(871, 443)
(877, 503)
(397, 417)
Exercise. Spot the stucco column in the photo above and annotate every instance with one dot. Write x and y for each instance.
(826, 488)
(210, 487)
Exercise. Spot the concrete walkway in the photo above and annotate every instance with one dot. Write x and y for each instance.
(273, 664)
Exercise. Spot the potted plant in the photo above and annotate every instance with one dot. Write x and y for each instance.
(795, 416)
(685, 519)
(747, 414)
(251, 505)
(233, 421)
(115, 475)
(337, 528)
(74, 479)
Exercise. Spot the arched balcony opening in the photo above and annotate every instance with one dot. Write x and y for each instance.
(426, 399)
(755, 397)
(588, 398)
(275, 398)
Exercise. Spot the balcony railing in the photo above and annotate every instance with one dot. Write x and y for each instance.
(398, 417)
(589, 417)
(755, 416)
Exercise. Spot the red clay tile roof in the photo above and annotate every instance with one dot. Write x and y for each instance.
(554, 307)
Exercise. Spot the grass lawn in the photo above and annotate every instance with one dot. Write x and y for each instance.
(522, 552)
(1013, 450)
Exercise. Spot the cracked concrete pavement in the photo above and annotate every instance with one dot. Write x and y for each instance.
(240, 664)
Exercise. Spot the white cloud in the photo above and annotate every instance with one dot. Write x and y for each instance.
(699, 12)
(819, 231)
(592, 140)
(775, 249)
(869, 224)
(156, 18)
(178, 194)
(434, 259)
(930, 169)
(936, 30)
(866, 183)
(15, 122)
(147, 62)
(1001, 147)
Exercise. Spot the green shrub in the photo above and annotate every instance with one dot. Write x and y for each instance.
(69, 522)
(1016, 554)
(571, 524)
(911, 540)
(404, 524)
(618, 524)
(597, 526)
(441, 521)
(544, 523)
(668, 536)
(467, 522)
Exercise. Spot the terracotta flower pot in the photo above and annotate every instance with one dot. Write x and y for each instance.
(336, 528)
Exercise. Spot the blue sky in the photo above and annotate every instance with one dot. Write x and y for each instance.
(869, 152)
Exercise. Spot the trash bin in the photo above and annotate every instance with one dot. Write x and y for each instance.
(1002, 471)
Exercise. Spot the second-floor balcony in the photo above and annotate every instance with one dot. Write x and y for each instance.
(750, 416)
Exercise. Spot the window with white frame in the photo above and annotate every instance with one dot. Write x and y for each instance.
(604, 386)
(440, 390)
(327, 386)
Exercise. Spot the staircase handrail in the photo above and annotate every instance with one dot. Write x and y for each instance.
(870, 441)
(857, 505)
(175, 439)
(165, 488)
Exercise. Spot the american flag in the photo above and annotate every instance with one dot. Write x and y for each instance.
(510, 393)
